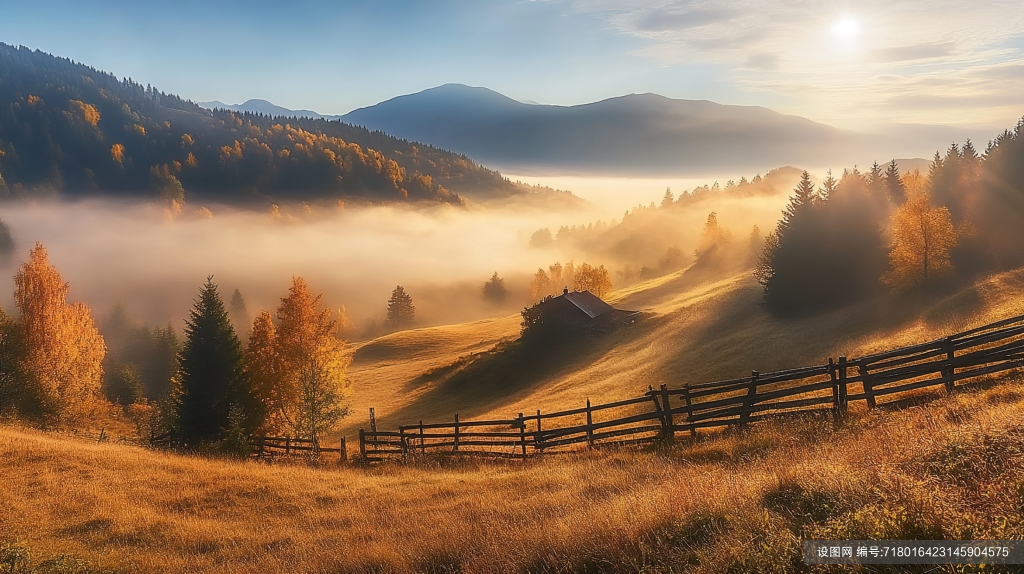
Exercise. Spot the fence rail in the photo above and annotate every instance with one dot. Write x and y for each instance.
(663, 413)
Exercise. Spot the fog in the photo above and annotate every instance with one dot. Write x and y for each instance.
(154, 263)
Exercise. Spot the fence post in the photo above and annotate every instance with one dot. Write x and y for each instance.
(362, 443)
(263, 442)
(287, 444)
(832, 375)
(401, 440)
(423, 446)
(843, 393)
(456, 433)
(869, 390)
(538, 443)
(748, 401)
(343, 454)
(590, 427)
(668, 430)
(373, 421)
(948, 371)
(522, 434)
(689, 410)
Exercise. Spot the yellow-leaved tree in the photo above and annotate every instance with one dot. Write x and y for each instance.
(64, 350)
(594, 279)
(922, 237)
(265, 372)
(313, 362)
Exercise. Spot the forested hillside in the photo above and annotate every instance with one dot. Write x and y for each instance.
(71, 130)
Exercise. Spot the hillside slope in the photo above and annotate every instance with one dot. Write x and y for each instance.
(69, 129)
(696, 327)
(636, 134)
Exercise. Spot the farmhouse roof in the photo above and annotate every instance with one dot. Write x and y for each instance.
(589, 303)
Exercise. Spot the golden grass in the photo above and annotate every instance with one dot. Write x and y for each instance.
(738, 501)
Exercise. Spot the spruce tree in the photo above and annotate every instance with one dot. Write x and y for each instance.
(894, 184)
(211, 370)
(876, 179)
(801, 202)
(401, 311)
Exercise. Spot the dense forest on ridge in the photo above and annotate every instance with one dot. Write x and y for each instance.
(71, 130)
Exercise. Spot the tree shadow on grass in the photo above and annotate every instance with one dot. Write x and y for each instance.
(480, 383)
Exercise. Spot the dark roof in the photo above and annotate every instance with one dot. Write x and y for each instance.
(589, 303)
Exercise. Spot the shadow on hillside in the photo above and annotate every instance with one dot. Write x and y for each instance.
(483, 382)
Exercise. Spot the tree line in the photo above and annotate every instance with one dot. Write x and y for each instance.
(66, 128)
(847, 239)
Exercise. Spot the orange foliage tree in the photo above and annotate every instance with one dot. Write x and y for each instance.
(299, 366)
(64, 350)
(593, 279)
(922, 237)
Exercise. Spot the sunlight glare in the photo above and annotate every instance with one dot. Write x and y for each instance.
(846, 28)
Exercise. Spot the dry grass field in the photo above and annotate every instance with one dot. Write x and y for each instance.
(933, 467)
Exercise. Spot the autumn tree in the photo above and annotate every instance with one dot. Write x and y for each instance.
(713, 238)
(212, 378)
(64, 350)
(265, 372)
(494, 289)
(541, 285)
(594, 279)
(20, 394)
(401, 311)
(922, 237)
(313, 362)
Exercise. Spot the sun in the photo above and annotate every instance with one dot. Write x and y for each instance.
(846, 28)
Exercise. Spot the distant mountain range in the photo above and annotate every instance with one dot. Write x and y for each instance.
(636, 134)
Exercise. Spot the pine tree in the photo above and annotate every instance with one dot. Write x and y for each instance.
(240, 315)
(828, 187)
(876, 179)
(211, 371)
(401, 311)
(162, 365)
(667, 199)
(124, 385)
(494, 289)
(802, 201)
(894, 184)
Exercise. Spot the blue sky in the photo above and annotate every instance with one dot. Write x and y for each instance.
(852, 64)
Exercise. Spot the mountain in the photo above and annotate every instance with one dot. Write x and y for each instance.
(637, 134)
(266, 108)
(70, 130)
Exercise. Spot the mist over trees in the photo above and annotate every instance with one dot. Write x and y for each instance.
(68, 129)
(401, 311)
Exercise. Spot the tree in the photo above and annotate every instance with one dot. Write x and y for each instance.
(667, 199)
(211, 371)
(922, 237)
(64, 350)
(541, 285)
(313, 362)
(541, 239)
(265, 372)
(240, 315)
(712, 238)
(593, 279)
(161, 368)
(828, 187)
(800, 203)
(894, 184)
(401, 311)
(124, 385)
(20, 394)
(494, 289)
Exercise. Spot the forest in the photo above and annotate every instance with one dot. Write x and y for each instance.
(69, 130)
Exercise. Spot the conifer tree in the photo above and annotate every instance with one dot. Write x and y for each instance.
(240, 315)
(494, 289)
(211, 371)
(801, 202)
(876, 179)
(401, 311)
(828, 187)
(894, 184)
(162, 367)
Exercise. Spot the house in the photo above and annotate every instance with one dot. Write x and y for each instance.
(581, 311)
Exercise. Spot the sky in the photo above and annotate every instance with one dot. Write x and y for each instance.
(859, 65)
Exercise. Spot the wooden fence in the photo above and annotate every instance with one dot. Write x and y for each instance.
(664, 413)
(266, 447)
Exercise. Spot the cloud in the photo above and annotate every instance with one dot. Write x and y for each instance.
(956, 56)
(666, 20)
(909, 53)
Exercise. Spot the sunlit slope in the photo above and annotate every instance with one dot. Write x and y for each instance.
(694, 329)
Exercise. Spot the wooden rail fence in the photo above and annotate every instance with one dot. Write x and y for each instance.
(663, 413)
(266, 447)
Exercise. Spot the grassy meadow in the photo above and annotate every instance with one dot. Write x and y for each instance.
(934, 466)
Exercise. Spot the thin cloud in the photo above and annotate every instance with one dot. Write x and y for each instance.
(911, 53)
(667, 20)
